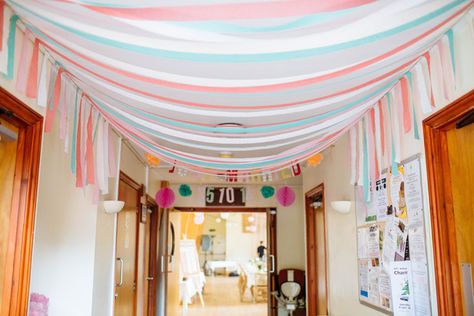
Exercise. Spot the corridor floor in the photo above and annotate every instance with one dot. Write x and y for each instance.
(221, 297)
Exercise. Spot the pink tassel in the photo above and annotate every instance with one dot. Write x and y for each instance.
(90, 151)
(21, 78)
(79, 179)
(32, 84)
(51, 112)
(405, 91)
(112, 162)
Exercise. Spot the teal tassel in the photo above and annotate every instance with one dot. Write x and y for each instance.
(74, 135)
(185, 190)
(267, 191)
(11, 47)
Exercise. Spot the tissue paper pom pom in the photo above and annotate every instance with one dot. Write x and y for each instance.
(198, 218)
(185, 190)
(165, 198)
(152, 160)
(286, 196)
(315, 160)
(267, 191)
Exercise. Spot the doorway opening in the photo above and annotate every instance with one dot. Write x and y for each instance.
(20, 148)
(449, 139)
(221, 261)
(317, 302)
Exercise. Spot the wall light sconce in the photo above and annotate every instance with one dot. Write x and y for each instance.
(342, 207)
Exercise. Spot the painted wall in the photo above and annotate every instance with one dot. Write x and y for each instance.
(243, 246)
(290, 220)
(334, 171)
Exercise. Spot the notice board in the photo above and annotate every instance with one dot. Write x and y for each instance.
(391, 241)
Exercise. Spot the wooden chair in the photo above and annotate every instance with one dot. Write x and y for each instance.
(260, 289)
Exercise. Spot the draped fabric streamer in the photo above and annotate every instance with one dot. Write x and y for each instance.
(274, 83)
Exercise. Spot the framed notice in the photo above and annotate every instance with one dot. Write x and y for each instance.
(225, 196)
(391, 243)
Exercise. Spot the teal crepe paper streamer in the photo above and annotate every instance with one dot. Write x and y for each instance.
(450, 35)
(267, 191)
(74, 135)
(185, 190)
(365, 170)
(415, 119)
(11, 47)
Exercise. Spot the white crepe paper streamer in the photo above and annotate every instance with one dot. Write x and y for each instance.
(43, 84)
(353, 154)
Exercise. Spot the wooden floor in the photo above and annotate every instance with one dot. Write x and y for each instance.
(221, 296)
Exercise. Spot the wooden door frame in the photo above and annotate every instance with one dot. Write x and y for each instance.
(446, 263)
(127, 180)
(271, 240)
(153, 256)
(23, 210)
(311, 250)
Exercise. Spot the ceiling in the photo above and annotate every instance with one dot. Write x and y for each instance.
(291, 77)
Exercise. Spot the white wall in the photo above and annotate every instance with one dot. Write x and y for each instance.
(334, 171)
(290, 220)
(65, 231)
(243, 246)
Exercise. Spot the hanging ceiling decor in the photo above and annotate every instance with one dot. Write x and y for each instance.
(237, 88)
(267, 191)
(315, 160)
(285, 196)
(165, 197)
(152, 160)
(185, 190)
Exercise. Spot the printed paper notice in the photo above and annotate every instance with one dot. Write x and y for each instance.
(363, 279)
(421, 291)
(373, 242)
(380, 199)
(362, 242)
(402, 288)
(417, 244)
(394, 241)
(413, 194)
(373, 280)
(385, 290)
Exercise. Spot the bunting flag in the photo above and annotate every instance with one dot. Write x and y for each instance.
(274, 83)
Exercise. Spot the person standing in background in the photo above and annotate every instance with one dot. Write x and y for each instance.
(261, 250)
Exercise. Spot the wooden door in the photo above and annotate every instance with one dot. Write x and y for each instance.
(172, 262)
(126, 248)
(461, 164)
(317, 298)
(272, 260)
(151, 257)
(449, 164)
(8, 149)
(19, 169)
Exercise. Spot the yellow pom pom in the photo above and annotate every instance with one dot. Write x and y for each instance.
(152, 160)
(315, 160)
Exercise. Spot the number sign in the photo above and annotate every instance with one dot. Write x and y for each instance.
(225, 196)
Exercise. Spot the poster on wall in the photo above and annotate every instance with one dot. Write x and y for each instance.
(391, 243)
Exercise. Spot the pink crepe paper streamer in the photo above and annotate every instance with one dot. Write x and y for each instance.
(285, 196)
(90, 151)
(51, 112)
(405, 90)
(79, 180)
(32, 84)
(22, 74)
(165, 198)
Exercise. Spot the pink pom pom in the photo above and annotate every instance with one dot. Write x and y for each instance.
(165, 198)
(286, 196)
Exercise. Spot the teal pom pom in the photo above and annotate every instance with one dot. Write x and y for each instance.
(267, 191)
(185, 190)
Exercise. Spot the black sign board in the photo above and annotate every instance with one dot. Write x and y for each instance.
(225, 196)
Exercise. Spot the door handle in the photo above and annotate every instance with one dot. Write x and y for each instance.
(150, 278)
(163, 264)
(272, 257)
(121, 272)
